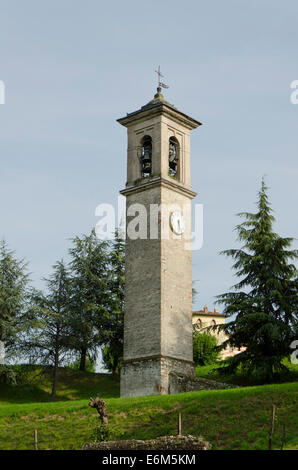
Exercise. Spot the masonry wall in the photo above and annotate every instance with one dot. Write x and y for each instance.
(176, 284)
(140, 378)
(143, 280)
(151, 376)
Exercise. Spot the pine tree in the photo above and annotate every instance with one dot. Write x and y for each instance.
(13, 296)
(49, 332)
(265, 300)
(90, 292)
(112, 353)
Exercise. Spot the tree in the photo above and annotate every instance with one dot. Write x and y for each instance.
(195, 293)
(265, 300)
(89, 366)
(204, 348)
(90, 292)
(112, 353)
(13, 297)
(48, 336)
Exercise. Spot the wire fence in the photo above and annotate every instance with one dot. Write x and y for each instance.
(34, 438)
(159, 423)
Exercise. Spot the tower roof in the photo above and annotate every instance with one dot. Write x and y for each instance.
(158, 100)
(158, 105)
(206, 312)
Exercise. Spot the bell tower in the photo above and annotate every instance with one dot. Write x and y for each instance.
(158, 297)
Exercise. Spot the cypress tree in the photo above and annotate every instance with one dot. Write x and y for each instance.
(264, 302)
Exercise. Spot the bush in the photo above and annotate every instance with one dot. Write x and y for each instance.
(7, 375)
(204, 349)
(90, 366)
(100, 433)
(112, 362)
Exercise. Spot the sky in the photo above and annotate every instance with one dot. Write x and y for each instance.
(72, 68)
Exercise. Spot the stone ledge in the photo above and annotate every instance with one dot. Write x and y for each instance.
(179, 383)
(160, 443)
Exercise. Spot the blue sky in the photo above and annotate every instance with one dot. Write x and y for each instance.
(72, 68)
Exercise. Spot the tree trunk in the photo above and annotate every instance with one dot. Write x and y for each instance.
(2, 353)
(116, 366)
(55, 376)
(83, 359)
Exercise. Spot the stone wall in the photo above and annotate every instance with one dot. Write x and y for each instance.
(160, 443)
(181, 383)
(150, 376)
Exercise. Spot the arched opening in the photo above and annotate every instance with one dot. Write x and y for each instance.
(173, 157)
(146, 157)
(199, 323)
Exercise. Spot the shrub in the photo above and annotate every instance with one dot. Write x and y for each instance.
(90, 366)
(204, 348)
(7, 375)
(100, 433)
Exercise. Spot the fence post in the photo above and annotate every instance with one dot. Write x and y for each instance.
(35, 439)
(179, 425)
(283, 439)
(271, 426)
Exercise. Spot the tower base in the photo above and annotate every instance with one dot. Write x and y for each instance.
(150, 375)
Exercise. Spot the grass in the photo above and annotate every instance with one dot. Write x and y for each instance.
(229, 419)
(210, 372)
(34, 385)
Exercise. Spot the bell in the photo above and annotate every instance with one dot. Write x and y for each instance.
(173, 165)
(146, 156)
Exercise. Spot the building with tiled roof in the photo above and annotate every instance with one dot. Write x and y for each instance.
(202, 319)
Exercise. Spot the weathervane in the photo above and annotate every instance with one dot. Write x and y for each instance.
(160, 83)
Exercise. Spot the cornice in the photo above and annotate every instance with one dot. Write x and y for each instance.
(157, 110)
(156, 356)
(158, 181)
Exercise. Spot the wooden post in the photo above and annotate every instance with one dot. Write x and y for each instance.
(35, 439)
(271, 426)
(179, 425)
(283, 440)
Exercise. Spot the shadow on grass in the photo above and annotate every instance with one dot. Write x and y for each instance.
(240, 378)
(34, 384)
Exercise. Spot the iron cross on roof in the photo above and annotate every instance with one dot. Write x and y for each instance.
(160, 83)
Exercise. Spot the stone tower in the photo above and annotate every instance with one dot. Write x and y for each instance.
(158, 298)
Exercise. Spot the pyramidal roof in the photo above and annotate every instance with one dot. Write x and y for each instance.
(157, 101)
(159, 104)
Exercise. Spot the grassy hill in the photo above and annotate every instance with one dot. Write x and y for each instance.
(34, 385)
(211, 372)
(229, 419)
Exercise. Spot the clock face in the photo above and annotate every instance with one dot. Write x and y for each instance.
(177, 222)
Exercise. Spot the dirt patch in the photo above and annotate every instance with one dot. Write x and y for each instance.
(121, 414)
(49, 417)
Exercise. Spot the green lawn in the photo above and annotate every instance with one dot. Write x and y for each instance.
(210, 372)
(34, 385)
(229, 419)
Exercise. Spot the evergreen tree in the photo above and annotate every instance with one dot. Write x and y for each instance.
(112, 353)
(13, 297)
(49, 332)
(90, 293)
(195, 293)
(265, 299)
